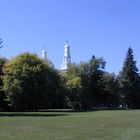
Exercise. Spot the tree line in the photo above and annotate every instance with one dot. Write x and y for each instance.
(29, 83)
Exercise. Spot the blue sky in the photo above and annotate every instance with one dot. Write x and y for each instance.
(104, 28)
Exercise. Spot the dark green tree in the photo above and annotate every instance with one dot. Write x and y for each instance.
(111, 96)
(92, 82)
(54, 97)
(3, 102)
(130, 81)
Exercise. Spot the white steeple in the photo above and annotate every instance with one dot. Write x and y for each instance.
(44, 54)
(66, 58)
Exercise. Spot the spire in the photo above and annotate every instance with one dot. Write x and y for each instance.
(66, 58)
(44, 53)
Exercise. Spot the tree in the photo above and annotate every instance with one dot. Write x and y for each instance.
(92, 85)
(54, 97)
(73, 84)
(29, 82)
(111, 96)
(130, 81)
(3, 103)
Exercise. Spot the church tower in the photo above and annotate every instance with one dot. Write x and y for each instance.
(66, 58)
(44, 54)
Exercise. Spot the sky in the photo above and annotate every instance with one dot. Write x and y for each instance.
(104, 28)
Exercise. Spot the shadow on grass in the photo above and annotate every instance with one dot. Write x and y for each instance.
(32, 114)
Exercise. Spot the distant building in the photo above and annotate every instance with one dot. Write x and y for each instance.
(44, 54)
(66, 58)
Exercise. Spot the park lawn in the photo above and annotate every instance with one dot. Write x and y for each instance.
(98, 125)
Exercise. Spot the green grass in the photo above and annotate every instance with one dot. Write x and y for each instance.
(98, 125)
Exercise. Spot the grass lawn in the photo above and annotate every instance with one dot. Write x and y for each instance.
(98, 125)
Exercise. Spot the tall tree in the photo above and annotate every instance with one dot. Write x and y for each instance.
(130, 81)
(91, 79)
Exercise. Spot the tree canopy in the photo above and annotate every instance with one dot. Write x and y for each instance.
(28, 80)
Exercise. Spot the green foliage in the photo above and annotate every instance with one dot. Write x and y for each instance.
(2, 62)
(74, 92)
(73, 84)
(85, 83)
(111, 96)
(3, 103)
(55, 97)
(91, 77)
(29, 81)
(130, 81)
